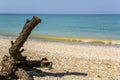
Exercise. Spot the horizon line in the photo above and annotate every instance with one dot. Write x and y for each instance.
(68, 13)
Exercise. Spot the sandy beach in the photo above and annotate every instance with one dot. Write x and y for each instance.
(72, 61)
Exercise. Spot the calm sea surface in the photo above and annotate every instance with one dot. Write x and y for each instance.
(89, 26)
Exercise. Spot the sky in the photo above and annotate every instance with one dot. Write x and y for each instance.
(60, 6)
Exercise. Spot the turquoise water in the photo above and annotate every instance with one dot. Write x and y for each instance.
(92, 26)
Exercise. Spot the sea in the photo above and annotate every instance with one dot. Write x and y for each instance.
(101, 26)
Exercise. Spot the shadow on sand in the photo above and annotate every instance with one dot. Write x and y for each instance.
(38, 73)
(64, 74)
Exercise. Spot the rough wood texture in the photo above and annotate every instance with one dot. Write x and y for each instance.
(11, 65)
(7, 67)
(39, 63)
(22, 74)
(14, 50)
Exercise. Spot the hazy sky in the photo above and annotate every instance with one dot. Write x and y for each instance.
(61, 6)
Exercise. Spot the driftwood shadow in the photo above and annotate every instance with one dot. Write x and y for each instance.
(63, 74)
(36, 72)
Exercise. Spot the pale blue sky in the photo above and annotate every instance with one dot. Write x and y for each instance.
(61, 6)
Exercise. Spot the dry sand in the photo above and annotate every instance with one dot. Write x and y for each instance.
(72, 61)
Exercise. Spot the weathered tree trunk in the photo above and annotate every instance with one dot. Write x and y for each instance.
(14, 50)
(10, 64)
(15, 65)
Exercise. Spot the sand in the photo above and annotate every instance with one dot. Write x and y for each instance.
(71, 61)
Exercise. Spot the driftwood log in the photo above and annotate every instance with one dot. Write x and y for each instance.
(14, 66)
(15, 46)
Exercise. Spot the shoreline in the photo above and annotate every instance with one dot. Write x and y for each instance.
(89, 48)
(53, 38)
